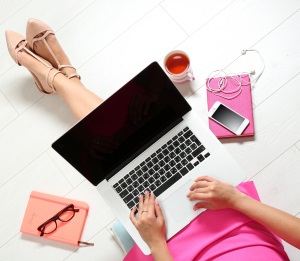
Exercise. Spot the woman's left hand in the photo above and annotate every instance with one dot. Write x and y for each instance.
(150, 221)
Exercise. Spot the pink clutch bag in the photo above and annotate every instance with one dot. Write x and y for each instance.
(42, 207)
(242, 104)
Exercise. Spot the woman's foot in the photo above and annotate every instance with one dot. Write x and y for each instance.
(43, 75)
(56, 56)
(41, 70)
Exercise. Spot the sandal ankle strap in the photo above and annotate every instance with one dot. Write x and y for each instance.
(50, 78)
(71, 75)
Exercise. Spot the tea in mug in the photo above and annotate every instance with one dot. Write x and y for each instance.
(177, 63)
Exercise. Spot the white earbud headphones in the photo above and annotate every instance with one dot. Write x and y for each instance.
(237, 77)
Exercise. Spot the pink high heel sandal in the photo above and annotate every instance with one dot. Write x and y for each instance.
(36, 27)
(16, 43)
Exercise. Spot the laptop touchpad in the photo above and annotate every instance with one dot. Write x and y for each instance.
(178, 204)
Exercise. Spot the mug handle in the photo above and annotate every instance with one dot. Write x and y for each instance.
(191, 76)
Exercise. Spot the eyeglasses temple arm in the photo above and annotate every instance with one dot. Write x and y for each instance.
(85, 243)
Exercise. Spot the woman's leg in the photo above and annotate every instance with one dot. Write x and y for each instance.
(80, 100)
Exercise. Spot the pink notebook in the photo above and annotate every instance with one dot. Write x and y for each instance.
(42, 207)
(242, 104)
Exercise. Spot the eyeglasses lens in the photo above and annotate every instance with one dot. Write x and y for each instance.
(67, 215)
(50, 227)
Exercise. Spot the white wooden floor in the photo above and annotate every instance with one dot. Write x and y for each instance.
(111, 41)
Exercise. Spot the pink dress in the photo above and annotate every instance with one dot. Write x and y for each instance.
(222, 235)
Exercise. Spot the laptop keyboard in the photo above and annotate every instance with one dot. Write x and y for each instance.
(163, 168)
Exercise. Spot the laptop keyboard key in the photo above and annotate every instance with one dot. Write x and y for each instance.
(153, 155)
(177, 151)
(184, 171)
(152, 187)
(145, 168)
(189, 157)
(161, 163)
(177, 159)
(172, 163)
(178, 166)
(198, 151)
(167, 184)
(190, 166)
(157, 183)
(150, 164)
(151, 171)
(207, 155)
(184, 162)
(124, 193)
(176, 143)
(140, 180)
(197, 142)
(193, 146)
(165, 152)
(156, 167)
(128, 198)
(200, 158)
(163, 179)
(135, 192)
(151, 180)
(123, 185)
(173, 170)
(168, 174)
(181, 139)
(118, 189)
(155, 160)
(131, 204)
(146, 184)
(130, 188)
(188, 134)
(167, 167)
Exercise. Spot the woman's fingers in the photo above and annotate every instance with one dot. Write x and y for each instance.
(197, 190)
(199, 196)
(204, 204)
(132, 216)
(158, 211)
(151, 210)
(141, 204)
(146, 202)
(199, 184)
(204, 178)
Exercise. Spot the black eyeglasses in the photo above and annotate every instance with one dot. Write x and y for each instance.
(65, 215)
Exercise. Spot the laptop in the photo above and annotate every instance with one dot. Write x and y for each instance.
(146, 137)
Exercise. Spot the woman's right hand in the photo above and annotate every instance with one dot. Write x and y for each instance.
(150, 221)
(213, 194)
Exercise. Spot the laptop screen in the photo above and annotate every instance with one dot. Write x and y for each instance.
(123, 126)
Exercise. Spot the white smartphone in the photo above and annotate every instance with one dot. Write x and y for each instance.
(228, 118)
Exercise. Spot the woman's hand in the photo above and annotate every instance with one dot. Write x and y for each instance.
(213, 194)
(150, 221)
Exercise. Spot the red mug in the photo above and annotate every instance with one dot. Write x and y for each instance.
(178, 68)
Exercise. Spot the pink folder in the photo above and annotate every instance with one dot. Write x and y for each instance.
(43, 206)
(242, 104)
